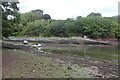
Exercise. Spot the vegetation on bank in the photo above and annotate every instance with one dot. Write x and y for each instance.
(36, 23)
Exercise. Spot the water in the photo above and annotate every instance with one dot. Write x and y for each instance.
(96, 51)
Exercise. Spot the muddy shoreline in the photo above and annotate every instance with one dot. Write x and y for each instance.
(97, 68)
(71, 40)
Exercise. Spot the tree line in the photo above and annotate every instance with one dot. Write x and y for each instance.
(36, 23)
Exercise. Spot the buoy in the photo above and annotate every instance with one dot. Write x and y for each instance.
(25, 42)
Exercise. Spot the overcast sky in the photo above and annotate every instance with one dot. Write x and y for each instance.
(63, 9)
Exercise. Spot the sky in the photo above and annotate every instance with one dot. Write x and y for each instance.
(63, 9)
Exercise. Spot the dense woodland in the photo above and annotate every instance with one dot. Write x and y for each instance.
(37, 23)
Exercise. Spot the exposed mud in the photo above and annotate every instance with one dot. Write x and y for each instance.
(36, 63)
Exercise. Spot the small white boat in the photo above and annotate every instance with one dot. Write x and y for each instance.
(37, 45)
(25, 42)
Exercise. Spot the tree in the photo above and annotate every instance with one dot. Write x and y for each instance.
(10, 16)
(35, 28)
(94, 14)
(93, 26)
(46, 16)
(38, 13)
(72, 28)
(79, 17)
(57, 29)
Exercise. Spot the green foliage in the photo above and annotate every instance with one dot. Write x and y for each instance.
(72, 27)
(10, 17)
(92, 26)
(35, 23)
(29, 17)
(98, 27)
(35, 28)
(34, 15)
(46, 17)
(57, 28)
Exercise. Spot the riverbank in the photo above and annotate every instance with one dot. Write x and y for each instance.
(92, 67)
(20, 64)
(58, 40)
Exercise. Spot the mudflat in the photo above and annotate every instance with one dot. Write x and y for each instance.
(28, 62)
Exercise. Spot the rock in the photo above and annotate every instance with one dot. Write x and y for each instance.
(69, 67)
(49, 69)
(41, 51)
(26, 63)
(40, 48)
(60, 65)
(112, 76)
(65, 72)
(15, 50)
(94, 68)
(95, 61)
(67, 75)
(33, 70)
(100, 75)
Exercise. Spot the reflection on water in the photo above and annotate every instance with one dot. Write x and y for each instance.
(97, 51)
